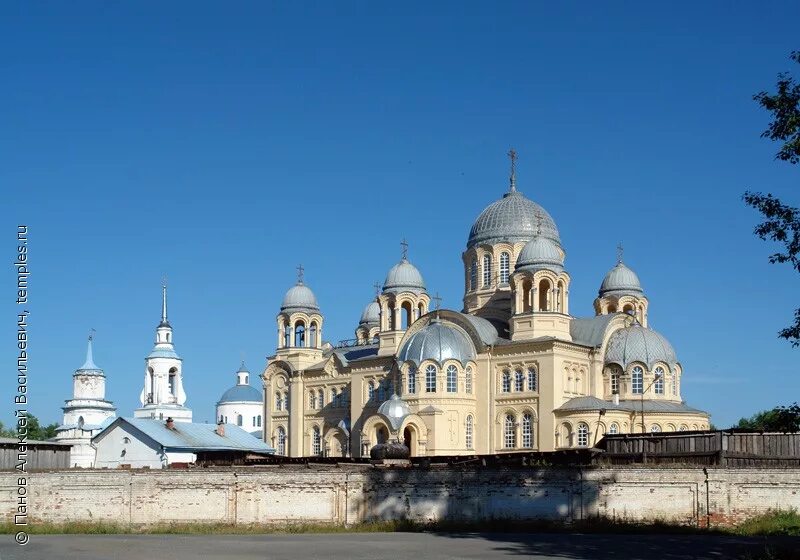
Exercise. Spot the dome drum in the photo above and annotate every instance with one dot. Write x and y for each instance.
(439, 342)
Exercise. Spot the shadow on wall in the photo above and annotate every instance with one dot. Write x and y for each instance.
(427, 496)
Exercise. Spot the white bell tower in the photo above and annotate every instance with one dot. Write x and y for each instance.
(163, 395)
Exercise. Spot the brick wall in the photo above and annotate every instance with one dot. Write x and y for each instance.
(343, 496)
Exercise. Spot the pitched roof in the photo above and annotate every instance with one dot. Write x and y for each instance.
(594, 403)
(191, 436)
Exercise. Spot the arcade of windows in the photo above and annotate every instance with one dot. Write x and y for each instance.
(431, 374)
(510, 431)
(487, 271)
(337, 398)
(522, 380)
(661, 381)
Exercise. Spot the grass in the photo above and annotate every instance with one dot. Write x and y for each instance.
(777, 523)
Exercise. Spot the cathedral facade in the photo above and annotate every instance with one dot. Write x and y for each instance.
(512, 371)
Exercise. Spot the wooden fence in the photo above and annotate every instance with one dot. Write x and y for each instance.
(726, 448)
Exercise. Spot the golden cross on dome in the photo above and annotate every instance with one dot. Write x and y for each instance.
(512, 154)
(404, 245)
(438, 300)
(620, 251)
(300, 271)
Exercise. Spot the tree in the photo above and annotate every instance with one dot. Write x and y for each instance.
(779, 419)
(782, 222)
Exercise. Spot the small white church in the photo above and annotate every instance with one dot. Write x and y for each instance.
(161, 431)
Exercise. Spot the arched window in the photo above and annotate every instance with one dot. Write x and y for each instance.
(510, 432)
(613, 428)
(258, 421)
(532, 386)
(583, 435)
(487, 270)
(300, 334)
(281, 441)
(312, 399)
(286, 401)
(371, 391)
(316, 441)
(468, 438)
(312, 335)
(468, 381)
(544, 295)
(519, 380)
(239, 420)
(473, 275)
(655, 428)
(430, 379)
(527, 430)
(683, 428)
(334, 398)
(412, 380)
(627, 308)
(452, 379)
(321, 398)
(278, 401)
(221, 418)
(382, 390)
(615, 382)
(658, 383)
(504, 267)
(506, 381)
(637, 381)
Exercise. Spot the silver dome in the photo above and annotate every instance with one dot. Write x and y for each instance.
(394, 410)
(300, 298)
(439, 342)
(620, 280)
(540, 253)
(639, 344)
(404, 277)
(512, 218)
(371, 314)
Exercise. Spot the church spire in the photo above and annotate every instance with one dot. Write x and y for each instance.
(164, 321)
(89, 363)
(512, 154)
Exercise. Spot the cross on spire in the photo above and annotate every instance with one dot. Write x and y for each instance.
(512, 154)
(404, 245)
(377, 286)
(620, 251)
(91, 334)
(438, 301)
(300, 271)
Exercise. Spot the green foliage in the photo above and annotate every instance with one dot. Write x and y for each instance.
(35, 429)
(785, 108)
(779, 419)
(782, 222)
(772, 524)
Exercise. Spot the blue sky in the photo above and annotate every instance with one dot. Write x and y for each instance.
(223, 146)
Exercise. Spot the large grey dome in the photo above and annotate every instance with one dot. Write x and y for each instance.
(404, 277)
(300, 298)
(512, 218)
(540, 253)
(639, 344)
(437, 341)
(620, 280)
(371, 314)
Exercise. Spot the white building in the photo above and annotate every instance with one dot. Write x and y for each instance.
(242, 404)
(86, 413)
(163, 396)
(156, 444)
